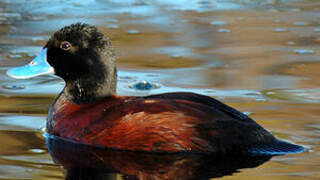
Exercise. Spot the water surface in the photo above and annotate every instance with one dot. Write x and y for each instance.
(261, 57)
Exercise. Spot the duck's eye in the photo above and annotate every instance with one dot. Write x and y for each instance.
(65, 45)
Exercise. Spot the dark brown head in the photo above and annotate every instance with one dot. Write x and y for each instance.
(85, 59)
(80, 51)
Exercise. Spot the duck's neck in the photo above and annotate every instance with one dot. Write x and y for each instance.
(93, 87)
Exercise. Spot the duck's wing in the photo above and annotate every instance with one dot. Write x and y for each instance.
(204, 100)
(230, 129)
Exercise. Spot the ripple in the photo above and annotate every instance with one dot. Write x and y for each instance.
(22, 123)
(174, 51)
(303, 51)
(14, 87)
(112, 26)
(112, 20)
(253, 94)
(140, 3)
(261, 100)
(291, 43)
(152, 75)
(218, 23)
(38, 151)
(15, 56)
(37, 18)
(39, 38)
(270, 93)
(144, 85)
(126, 77)
(300, 23)
(299, 95)
(224, 30)
(175, 56)
(133, 31)
(11, 15)
(280, 30)
(316, 29)
(25, 50)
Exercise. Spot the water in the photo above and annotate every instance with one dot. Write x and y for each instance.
(267, 63)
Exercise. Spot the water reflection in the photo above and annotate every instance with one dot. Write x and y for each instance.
(85, 162)
(268, 64)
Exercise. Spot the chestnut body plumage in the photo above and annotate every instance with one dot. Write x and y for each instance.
(89, 111)
(169, 122)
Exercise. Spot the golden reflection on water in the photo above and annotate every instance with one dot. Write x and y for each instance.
(269, 48)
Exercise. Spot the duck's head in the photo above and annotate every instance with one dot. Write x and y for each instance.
(79, 54)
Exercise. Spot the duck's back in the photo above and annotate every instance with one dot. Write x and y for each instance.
(170, 122)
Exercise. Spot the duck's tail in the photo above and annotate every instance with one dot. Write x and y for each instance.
(278, 147)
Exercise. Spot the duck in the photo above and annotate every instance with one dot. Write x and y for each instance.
(88, 110)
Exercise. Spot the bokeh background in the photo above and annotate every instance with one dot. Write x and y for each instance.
(259, 56)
